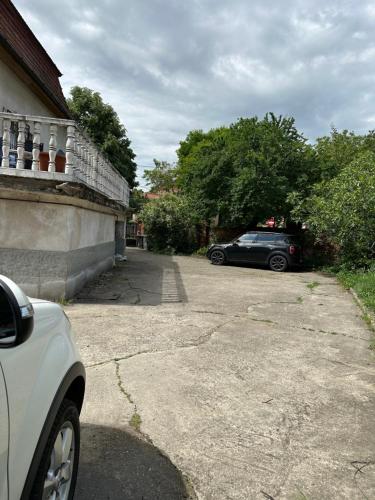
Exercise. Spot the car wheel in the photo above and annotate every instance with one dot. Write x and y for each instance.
(57, 473)
(278, 263)
(217, 257)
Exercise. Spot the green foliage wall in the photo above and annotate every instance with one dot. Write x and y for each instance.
(342, 210)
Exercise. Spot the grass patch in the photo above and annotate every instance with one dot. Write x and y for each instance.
(313, 285)
(362, 282)
(136, 422)
(299, 300)
(63, 301)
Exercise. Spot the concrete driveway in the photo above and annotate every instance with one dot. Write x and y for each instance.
(253, 384)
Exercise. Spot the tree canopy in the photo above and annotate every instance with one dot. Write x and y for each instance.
(162, 178)
(104, 127)
(342, 210)
(245, 172)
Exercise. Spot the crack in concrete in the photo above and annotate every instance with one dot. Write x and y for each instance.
(202, 339)
(136, 421)
(121, 385)
(205, 337)
(332, 333)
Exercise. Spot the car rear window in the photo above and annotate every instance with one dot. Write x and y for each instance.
(289, 239)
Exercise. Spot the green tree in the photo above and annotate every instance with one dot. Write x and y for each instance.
(162, 178)
(169, 224)
(245, 172)
(137, 200)
(338, 150)
(104, 127)
(205, 170)
(342, 210)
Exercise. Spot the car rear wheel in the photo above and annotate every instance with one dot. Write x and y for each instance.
(217, 257)
(57, 474)
(278, 263)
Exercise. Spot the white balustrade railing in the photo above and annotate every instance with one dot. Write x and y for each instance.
(70, 156)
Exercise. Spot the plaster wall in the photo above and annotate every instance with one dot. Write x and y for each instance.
(16, 96)
(52, 250)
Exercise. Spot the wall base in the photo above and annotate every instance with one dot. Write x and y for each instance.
(55, 275)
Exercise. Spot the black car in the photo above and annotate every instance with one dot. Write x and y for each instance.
(276, 250)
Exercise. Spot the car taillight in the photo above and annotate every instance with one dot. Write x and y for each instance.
(292, 249)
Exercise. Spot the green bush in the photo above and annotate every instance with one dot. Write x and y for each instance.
(342, 211)
(202, 251)
(169, 224)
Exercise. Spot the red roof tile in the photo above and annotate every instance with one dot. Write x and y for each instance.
(20, 41)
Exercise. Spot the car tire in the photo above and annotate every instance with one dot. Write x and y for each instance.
(278, 263)
(58, 467)
(217, 257)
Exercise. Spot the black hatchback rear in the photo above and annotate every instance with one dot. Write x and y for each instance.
(279, 251)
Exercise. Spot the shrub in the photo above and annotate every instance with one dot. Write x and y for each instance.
(202, 251)
(342, 211)
(169, 224)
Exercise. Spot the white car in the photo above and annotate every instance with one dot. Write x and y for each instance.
(42, 385)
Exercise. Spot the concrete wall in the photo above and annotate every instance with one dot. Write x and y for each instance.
(52, 250)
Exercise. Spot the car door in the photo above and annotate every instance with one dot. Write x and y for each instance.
(262, 247)
(4, 429)
(240, 250)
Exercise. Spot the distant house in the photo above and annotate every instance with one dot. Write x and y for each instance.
(63, 206)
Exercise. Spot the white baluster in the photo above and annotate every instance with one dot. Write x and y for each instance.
(101, 181)
(79, 155)
(6, 143)
(96, 165)
(52, 148)
(21, 145)
(69, 165)
(36, 147)
(91, 165)
(84, 158)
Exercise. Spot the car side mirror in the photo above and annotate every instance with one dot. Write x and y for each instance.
(16, 314)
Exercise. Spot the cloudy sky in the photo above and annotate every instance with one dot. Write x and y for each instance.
(169, 66)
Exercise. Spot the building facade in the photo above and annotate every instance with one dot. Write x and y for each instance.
(62, 204)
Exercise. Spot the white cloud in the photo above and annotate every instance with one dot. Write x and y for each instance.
(169, 66)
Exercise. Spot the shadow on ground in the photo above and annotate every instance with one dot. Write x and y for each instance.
(116, 465)
(142, 280)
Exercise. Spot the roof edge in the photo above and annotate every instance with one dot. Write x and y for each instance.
(32, 33)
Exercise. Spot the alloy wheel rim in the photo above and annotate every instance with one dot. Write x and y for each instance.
(278, 262)
(217, 257)
(59, 475)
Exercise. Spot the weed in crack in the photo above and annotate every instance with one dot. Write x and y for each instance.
(313, 285)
